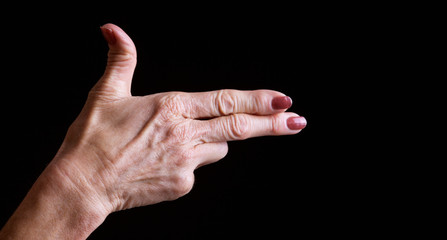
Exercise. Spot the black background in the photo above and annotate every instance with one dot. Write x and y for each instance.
(286, 186)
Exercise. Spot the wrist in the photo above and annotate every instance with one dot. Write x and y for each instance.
(77, 200)
(54, 208)
(85, 212)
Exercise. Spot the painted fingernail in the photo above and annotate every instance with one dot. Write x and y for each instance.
(283, 102)
(296, 123)
(108, 35)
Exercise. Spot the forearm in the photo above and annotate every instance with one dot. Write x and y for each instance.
(53, 209)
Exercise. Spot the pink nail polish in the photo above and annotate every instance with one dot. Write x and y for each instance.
(283, 102)
(296, 123)
(108, 35)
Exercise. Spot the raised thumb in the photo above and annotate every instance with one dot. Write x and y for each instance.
(121, 62)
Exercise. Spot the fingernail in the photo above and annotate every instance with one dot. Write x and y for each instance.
(108, 35)
(283, 102)
(296, 123)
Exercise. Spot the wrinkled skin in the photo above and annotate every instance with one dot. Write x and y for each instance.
(125, 151)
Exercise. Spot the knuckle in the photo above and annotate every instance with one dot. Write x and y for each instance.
(181, 184)
(225, 102)
(171, 104)
(275, 127)
(177, 132)
(260, 101)
(121, 58)
(240, 127)
(181, 132)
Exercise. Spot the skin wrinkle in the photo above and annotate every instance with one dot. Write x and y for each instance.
(259, 100)
(192, 106)
(225, 103)
(124, 152)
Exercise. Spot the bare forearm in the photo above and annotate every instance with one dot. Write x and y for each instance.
(52, 211)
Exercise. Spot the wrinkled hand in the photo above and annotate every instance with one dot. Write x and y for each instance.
(125, 151)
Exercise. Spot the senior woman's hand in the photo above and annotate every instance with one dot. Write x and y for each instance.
(125, 151)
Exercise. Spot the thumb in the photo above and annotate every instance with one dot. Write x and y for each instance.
(121, 62)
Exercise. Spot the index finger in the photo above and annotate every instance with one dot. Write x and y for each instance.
(227, 102)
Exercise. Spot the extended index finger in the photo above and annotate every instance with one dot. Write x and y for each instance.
(227, 102)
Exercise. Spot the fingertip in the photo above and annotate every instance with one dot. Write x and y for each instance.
(108, 34)
(296, 122)
(281, 102)
(109, 25)
(114, 34)
(272, 101)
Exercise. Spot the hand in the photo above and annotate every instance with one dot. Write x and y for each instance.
(143, 150)
(125, 151)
